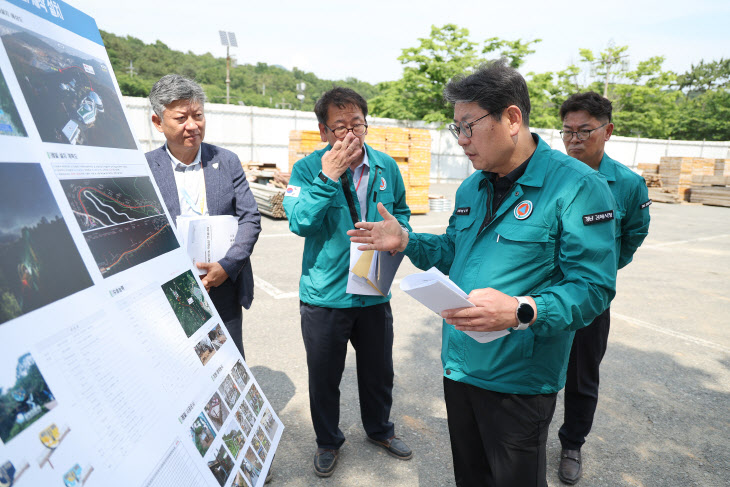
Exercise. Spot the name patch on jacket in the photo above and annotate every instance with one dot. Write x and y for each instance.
(463, 211)
(603, 216)
(644, 205)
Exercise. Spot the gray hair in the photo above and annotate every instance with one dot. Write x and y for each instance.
(173, 87)
(493, 86)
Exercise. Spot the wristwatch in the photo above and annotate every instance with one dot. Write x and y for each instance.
(524, 313)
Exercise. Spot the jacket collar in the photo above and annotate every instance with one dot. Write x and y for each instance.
(607, 169)
(537, 168)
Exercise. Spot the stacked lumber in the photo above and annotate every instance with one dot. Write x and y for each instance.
(711, 190)
(676, 173)
(302, 143)
(411, 149)
(269, 199)
(722, 167)
(418, 179)
(650, 173)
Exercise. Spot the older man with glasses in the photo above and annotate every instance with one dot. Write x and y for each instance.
(531, 240)
(586, 129)
(329, 192)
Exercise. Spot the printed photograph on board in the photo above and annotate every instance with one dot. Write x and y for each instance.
(70, 94)
(217, 337)
(39, 261)
(10, 122)
(245, 418)
(240, 375)
(122, 220)
(24, 396)
(202, 434)
(188, 302)
(269, 423)
(234, 439)
(254, 399)
(251, 466)
(239, 481)
(221, 465)
(229, 391)
(205, 350)
(216, 411)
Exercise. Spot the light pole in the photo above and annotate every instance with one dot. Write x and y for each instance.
(228, 39)
(300, 93)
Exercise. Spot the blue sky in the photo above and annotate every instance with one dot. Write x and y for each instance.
(363, 39)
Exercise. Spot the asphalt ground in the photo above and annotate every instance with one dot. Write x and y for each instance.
(664, 405)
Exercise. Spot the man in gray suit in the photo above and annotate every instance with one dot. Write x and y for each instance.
(202, 179)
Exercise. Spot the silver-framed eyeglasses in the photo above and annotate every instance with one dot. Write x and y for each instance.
(456, 129)
(582, 134)
(357, 130)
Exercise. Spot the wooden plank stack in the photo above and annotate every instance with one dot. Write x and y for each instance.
(677, 172)
(650, 173)
(711, 190)
(419, 170)
(269, 199)
(411, 149)
(302, 143)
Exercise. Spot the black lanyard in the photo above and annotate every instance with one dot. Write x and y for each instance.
(348, 196)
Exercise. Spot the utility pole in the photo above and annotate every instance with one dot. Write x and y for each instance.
(130, 69)
(228, 39)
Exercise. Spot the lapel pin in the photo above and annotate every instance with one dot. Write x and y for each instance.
(215, 165)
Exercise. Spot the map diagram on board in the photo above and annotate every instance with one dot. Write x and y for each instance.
(70, 94)
(122, 220)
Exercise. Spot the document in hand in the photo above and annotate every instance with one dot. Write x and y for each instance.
(438, 293)
(371, 272)
(207, 238)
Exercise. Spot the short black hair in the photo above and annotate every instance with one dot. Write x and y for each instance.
(493, 86)
(596, 105)
(341, 98)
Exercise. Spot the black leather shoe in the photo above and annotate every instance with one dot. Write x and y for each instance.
(570, 468)
(395, 447)
(325, 461)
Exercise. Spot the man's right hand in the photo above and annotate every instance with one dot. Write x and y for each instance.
(383, 235)
(336, 160)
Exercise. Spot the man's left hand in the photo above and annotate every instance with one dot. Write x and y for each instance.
(493, 311)
(215, 275)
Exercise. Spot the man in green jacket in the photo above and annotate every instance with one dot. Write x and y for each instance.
(586, 129)
(329, 191)
(531, 240)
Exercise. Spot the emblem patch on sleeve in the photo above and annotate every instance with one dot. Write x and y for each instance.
(464, 210)
(603, 216)
(293, 191)
(644, 205)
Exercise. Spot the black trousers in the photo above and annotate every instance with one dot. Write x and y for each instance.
(581, 384)
(326, 332)
(231, 312)
(497, 440)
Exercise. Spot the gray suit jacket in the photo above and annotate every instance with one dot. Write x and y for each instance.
(227, 193)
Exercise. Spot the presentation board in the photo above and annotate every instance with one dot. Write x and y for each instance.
(116, 369)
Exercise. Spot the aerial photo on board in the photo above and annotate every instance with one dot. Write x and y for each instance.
(39, 261)
(188, 302)
(70, 94)
(122, 220)
(10, 123)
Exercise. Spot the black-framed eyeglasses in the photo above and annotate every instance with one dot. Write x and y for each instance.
(456, 129)
(357, 130)
(583, 134)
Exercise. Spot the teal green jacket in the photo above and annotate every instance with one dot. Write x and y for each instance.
(632, 207)
(317, 210)
(563, 254)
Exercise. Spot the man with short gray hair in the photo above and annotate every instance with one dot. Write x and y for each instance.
(198, 179)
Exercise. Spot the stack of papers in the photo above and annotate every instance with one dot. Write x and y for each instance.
(372, 271)
(439, 293)
(207, 238)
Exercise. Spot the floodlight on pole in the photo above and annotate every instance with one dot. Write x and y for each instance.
(228, 39)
